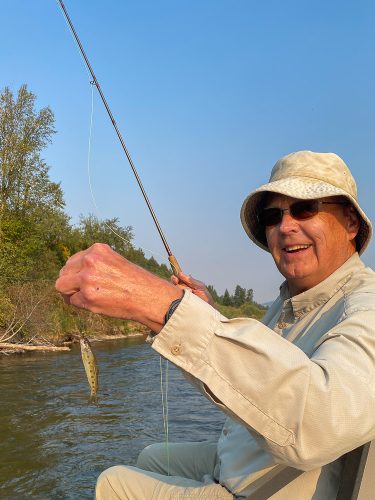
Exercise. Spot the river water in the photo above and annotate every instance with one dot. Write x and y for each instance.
(54, 444)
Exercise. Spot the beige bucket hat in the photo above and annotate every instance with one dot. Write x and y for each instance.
(306, 175)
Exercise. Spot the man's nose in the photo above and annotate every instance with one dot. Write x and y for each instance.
(287, 223)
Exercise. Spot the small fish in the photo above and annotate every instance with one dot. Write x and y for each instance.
(91, 367)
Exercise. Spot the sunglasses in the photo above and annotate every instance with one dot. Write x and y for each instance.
(300, 210)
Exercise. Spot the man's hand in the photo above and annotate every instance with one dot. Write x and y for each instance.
(102, 281)
(195, 286)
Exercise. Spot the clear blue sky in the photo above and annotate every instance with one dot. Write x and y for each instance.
(208, 95)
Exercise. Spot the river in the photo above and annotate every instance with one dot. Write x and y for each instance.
(54, 444)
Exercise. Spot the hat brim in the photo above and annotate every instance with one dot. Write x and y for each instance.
(303, 188)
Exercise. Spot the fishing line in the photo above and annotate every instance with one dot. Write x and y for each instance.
(163, 385)
(164, 404)
(92, 85)
(172, 259)
(93, 199)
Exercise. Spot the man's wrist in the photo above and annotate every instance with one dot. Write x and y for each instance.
(171, 309)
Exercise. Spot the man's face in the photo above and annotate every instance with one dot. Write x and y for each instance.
(308, 251)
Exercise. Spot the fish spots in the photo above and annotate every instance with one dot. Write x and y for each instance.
(90, 365)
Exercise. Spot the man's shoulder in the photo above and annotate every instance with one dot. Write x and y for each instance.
(359, 291)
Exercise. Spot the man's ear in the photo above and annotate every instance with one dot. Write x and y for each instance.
(352, 220)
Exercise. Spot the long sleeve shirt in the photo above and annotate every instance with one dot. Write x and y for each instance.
(298, 388)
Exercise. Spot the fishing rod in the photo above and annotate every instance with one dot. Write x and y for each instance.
(172, 259)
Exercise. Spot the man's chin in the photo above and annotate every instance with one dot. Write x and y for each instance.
(297, 272)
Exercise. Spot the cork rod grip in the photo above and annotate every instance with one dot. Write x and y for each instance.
(174, 264)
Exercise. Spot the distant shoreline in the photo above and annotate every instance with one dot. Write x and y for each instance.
(104, 336)
(8, 348)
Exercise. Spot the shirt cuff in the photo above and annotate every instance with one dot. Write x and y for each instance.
(185, 336)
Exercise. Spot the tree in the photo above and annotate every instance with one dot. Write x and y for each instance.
(92, 230)
(239, 296)
(214, 294)
(36, 237)
(250, 295)
(24, 133)
(32, 222)
(227, 299)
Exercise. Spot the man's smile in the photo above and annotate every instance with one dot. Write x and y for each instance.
(296, 248)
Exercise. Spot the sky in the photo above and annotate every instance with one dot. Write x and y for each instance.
(208, 95)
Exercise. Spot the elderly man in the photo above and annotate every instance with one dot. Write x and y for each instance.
(298, 387)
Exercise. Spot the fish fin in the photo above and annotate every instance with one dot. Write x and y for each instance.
(93, 400)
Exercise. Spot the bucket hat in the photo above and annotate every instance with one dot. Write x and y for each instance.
(306, 175)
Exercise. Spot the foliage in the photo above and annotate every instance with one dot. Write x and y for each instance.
(91, 230)
(31, 248)
(36, 237)
(24, 132)
(31, 215)
(137, 256)
(239, 304)
(6, 309)
(246, 310)
(240, 297)
(20, 321)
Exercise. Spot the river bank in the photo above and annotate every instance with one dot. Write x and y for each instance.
(22, 348)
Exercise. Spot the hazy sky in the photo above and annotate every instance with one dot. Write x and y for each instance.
(208, 95)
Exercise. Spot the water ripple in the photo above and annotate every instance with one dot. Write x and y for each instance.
(54, 443)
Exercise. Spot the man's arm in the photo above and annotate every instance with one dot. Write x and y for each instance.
(305, 412)
(102, 281)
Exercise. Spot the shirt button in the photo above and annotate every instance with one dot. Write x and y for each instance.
(175, 349)
(281, 324)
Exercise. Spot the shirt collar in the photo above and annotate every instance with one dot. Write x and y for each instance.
(323, 291)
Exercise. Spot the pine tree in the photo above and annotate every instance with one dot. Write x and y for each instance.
(227, 299)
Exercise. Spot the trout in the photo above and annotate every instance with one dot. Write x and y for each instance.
(91, 367)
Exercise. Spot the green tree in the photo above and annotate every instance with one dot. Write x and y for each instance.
(214, 294)
(32, 221)
(250, 295)
(239, 296)
(30, 248)
(227, 299)
(36, 237)
(24, 133)
(92, 230)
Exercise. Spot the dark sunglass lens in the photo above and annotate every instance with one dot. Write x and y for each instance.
(304, 209)
(270, 216)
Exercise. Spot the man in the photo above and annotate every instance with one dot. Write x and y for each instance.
(298, 388)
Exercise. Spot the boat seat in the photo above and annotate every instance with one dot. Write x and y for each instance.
(357, 481)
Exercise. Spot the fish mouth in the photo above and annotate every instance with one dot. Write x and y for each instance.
(296, 248)
(84, 342)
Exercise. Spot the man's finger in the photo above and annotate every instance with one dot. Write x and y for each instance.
(77, 300)
(68, 284)
(174, 280)
(185, 278)
(73, 264)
